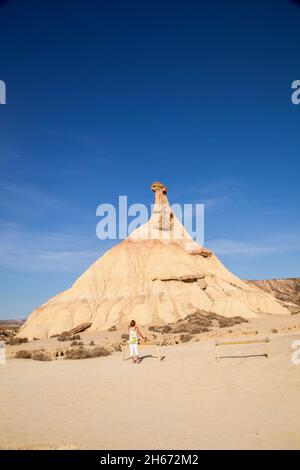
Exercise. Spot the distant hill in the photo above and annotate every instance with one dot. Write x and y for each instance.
(287, 290)
(11, 323)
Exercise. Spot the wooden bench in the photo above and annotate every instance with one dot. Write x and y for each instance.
(124, 346)
(218, 344)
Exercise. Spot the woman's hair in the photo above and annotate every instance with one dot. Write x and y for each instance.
(132, 323)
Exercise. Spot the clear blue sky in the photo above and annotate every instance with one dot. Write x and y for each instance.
(104, 97)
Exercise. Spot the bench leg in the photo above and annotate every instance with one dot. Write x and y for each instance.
(268, 349)
(158, 353)
(217, 353)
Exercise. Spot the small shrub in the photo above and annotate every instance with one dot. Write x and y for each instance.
(22, 354)
(117, 347)
(83, 353)
(14, 341)
(181, 329)
(166, 329)
(274, 331)
(64, 337)
(80, 353)
(77, 343)
(156, 329)
(112, 328)
(40, 356)
(125, 336)
(199, 329)
(227, 322)
(100, 351)
(185, 338)
(92, 343)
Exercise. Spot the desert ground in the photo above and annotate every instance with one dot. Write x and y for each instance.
(188, 400)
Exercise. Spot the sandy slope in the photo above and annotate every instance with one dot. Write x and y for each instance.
(186, 401)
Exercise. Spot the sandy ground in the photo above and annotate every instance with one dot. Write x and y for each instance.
(187, 401)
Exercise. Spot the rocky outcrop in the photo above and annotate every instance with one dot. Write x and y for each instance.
(79, 328)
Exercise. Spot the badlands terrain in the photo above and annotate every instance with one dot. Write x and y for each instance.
(188, 400)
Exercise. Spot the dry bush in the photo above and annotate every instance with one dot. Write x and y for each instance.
(112, 328)
(91, 343)
(125, 336)
(166, 329)
(100, 351)
(14, 341)
(117, 348)
(77, 343)
(198, 322)
(156, 329)
(66, 337)
(40, 356)
(199, 329)
(83, 353)
(180, 329)
(80, 353)
(227, 322)
(184, 338)
(22, 354)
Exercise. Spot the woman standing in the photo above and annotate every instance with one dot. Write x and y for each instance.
(134, 336)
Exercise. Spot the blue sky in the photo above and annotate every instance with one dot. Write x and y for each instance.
(103, 98)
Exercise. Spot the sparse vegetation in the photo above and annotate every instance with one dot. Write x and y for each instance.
(112, 328)
(40, 356)
(166, 329)
(15, 341)
(125, 336)
(184, 338)
(77, 343)
(199, 329)
(92, 343)
(22, 354)
(198, 322)
(37, 355)
(66, 337)
(83, 353)
(227, 322)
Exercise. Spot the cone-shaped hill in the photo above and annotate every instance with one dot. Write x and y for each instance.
(157, 275)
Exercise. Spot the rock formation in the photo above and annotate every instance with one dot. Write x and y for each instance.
(157, 275)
